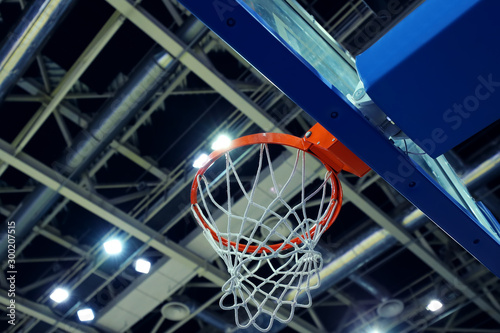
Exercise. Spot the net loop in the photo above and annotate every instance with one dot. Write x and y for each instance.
(266, 239)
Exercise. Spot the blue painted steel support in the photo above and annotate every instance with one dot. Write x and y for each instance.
(273, 57)
(436, 74)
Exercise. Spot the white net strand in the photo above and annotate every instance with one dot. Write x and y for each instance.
(263, 276)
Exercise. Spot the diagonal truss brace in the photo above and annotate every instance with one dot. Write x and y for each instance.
(100, 207)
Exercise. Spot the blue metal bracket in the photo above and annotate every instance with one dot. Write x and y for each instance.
(244, 30)
(436, 74)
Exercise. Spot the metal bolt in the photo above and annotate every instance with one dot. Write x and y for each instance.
(334, 115)
(230, 22)
(308, 134)
(412, 184)
(358, 94)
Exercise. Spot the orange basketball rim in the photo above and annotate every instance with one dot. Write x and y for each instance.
(317, 142)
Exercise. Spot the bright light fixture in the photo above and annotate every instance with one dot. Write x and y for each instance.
(223, 141)
(142, 266)
(85, 314)
(59, 295)
(434, 305)
(113, 246)
(200, 161)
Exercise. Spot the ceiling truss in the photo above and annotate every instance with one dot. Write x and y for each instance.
(252, 106)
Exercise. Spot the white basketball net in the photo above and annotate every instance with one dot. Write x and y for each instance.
(268, 285)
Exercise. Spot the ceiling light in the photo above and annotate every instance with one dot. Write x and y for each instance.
(113, 246)
(59, 295)
(434, 305)
(142, 266)
(390, 308)
(175, 311)
(200, 161)
(85, 314)
(223, 141)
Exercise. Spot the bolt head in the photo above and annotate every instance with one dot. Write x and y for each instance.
(358, 94)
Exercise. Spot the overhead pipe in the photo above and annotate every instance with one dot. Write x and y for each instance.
(371, 286)
(363, 281)
(27, 38)
(483, 173)
(144, 81)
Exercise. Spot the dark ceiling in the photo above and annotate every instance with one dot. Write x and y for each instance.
(145, 173)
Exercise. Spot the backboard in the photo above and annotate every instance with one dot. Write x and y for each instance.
(286, 45)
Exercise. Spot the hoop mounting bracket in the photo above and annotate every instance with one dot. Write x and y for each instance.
(332, 152)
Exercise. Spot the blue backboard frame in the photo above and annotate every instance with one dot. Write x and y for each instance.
(439, 82)
(275, 59)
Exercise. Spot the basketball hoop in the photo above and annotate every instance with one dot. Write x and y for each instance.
(267, 238)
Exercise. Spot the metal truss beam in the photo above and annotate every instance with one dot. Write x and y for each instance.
(118, 218)
(128, 152)
(81, 120)
(173, 12)
(244, 87)
(107, 212)
(160, 34)
(4, 211)
(405, 238)
(30, 188)
(149, 166)
(73, 74)
(40, 282)
(48, 233)
(43, 313)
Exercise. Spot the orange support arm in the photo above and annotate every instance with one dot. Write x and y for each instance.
(332, 152)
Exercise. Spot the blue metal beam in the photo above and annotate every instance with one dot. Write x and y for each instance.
(271, 55)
